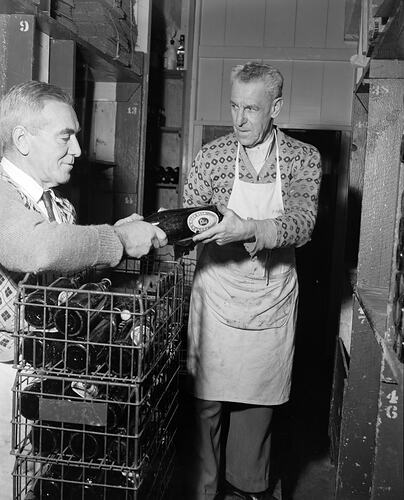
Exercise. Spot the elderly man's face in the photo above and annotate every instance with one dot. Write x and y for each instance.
(252, 110)
(53, 147)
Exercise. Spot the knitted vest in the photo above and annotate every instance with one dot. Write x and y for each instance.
(9, 280)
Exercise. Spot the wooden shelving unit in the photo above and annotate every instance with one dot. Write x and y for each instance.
(368, 377)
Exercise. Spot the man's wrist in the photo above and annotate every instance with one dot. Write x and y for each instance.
(250, 230)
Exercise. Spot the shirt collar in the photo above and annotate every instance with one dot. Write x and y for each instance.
(24, 181)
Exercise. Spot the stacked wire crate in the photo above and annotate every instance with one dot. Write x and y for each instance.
(96, 390)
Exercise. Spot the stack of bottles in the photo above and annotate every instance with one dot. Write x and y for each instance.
(96, 390)
(166, 175)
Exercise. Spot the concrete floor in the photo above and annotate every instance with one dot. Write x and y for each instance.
(300, 448)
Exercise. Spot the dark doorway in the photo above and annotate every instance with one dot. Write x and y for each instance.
(301, 426)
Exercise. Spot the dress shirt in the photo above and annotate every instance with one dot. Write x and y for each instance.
(29, 186)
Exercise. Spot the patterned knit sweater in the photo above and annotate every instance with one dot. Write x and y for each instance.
(211, 178)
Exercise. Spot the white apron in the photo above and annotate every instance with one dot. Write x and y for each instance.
(243, 310)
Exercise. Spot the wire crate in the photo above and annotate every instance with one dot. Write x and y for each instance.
(189, 264)
(38, 479)
(114, 328)
(104, 423)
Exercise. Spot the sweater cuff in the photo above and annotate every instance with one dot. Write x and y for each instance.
(265, 236)
(110, 247)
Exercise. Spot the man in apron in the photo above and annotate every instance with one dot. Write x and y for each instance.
(244, 297)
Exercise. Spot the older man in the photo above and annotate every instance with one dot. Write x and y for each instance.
(244, 296)
(38, 128)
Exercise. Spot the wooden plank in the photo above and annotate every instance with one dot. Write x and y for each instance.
(170, 150)
(359, 413)
(276, 53)
(305, 106)
(102, 138)
(380, 68)
(286, 68)
(385, 128)
(335, 24)
(62, 64)
(280, 18)
(340, 375)
(210, 84)
(338, 83)
(311, 22)
(390, 44)
(228, 64)
(16, 49)
(356, 175)
(127, 149)
(244, 23)
(387, 481)
(213, 20)
(40, 70)
(172, 101)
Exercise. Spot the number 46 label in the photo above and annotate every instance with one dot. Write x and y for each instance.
(391, 409)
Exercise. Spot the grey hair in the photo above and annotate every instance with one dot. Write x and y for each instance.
(22, 105)
(260, 71)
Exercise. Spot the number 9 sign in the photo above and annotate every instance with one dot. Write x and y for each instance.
(24, 26)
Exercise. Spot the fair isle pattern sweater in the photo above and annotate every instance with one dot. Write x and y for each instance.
(211, 177)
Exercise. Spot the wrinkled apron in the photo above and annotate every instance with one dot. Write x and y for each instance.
(243, 310)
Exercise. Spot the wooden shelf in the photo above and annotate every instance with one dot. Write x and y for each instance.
(171, 130)
(166, 186)
(103, 67)
(374, 303)
(174, 74)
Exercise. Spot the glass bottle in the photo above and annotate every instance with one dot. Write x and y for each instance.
(133, 335)
(183, 223)
(29, 397)
(42, 347)
(91, 351)
(82, 308)
(40, 305)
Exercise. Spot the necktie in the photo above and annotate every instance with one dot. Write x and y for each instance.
(47, 199)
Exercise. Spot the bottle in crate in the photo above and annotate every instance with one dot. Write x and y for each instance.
(88, 443)
(87, 353)
(48, 437)
(89, 485)
(51, 485)
(121, 447)
(81, 308)
(41, 347)
(132, 336)
(29, 397)
(41, 304)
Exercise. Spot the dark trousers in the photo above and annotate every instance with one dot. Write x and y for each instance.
(247, 450)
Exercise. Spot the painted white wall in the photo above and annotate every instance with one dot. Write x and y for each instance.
(303, 38)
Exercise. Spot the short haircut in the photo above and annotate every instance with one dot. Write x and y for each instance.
(22, 105)
(260, 71)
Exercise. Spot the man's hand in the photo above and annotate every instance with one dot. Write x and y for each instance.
(130, 218)
(139, 237)
(231, 228)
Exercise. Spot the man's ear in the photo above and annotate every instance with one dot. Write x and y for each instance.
(276, 107)
(20, 139)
